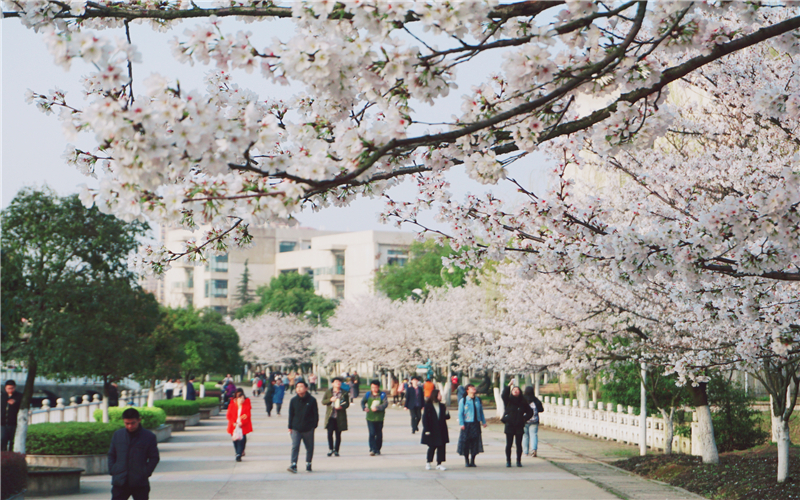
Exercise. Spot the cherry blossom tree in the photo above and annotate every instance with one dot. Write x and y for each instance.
(370, 71)
(275, 339)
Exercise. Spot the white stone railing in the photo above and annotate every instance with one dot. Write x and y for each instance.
(84, 411)
(603, 422)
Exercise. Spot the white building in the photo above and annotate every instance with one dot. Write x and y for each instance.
(343, 264)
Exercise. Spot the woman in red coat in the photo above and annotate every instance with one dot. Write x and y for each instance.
(239, 422)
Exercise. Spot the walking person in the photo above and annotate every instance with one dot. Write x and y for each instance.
(277, 396)
(269, 394)
(11, 400)
(337, 402)
(303, 419)
(375, 403)
(530, 436)
(240, 422)
(312, 382)
(401, 391)
(427, 388)
(292, 381)
(517, 413)
(470, 419)
(394, 391)
(191, 393)
(434, 429)
(132, 458)
(169, 388)
(354, 388)
(415, 400)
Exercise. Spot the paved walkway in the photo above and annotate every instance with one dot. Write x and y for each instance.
(199, 464)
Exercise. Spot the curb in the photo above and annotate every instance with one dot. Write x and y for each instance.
(613, 467)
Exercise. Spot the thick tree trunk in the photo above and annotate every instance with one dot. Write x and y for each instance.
(669, 429)
(705, 427)
(784, 443)
(203, 387)
(151, 393)
(21, 435)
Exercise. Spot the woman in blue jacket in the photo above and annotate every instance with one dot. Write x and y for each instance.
(277, 397)
(470, 418)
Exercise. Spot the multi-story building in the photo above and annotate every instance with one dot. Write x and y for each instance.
(342, 264)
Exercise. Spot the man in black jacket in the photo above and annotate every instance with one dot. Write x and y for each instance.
(415, 400)
(303, 419)
(11, 400)
(132, 458)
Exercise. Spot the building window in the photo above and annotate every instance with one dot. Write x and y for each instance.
(305, 245)
(287, 246)
(288, 271)
(216, 288)
(217, 264)
(221, 309)
(397, 256)
(339, 291)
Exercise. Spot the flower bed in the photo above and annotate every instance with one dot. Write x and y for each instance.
(14, 472)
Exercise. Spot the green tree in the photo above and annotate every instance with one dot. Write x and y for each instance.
(736, 423)
(106, 327)
(423, 270)
(290, 293)
(50, 246)
(243, 294)
(662, 393)
(162, 353)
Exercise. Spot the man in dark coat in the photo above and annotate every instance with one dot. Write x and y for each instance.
(11, 399)
(303, 419)
(415, 400)
(132, 458)
(191, 393)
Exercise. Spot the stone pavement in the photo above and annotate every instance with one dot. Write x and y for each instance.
(199, 464)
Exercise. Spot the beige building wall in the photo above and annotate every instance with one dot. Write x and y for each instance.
(343, 265)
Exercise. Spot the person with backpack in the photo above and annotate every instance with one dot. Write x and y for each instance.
(434, 429)
(517, 413)
(470, 419)
(531, 432)
(375, 403)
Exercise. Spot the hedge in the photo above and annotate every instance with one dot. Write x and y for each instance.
(14, 472)
(152, 418)
(207, 402)
(71, 438)
(211, 386)
(178, 407)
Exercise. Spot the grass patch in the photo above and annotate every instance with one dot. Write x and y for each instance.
(740, 475)
(794, 425)
(622, 453)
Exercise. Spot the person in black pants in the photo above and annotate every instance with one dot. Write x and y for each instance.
(434, 429)
(517, 412)
(415, 400)
(337, 402)
(11, 401)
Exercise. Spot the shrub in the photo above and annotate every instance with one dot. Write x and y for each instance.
(14, 472)
(178, 407)
(71, 438)
(151, 417)
(207, 402)
(736, 424)
(211, 386)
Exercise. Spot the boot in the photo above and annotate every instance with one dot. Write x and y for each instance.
(508, 463)
(308, 466)
(472, 461)
(519, 463)
(466, 460)
(330, 453)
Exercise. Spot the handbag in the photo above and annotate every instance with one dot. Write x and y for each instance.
(238, 435)
(505, 418)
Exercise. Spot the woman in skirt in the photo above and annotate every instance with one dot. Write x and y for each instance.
(470, 418)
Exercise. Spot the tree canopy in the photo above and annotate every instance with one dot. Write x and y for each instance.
(423, 270)
(290, 293)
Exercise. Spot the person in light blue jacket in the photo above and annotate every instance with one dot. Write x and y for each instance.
(277, 397)
(470, 418)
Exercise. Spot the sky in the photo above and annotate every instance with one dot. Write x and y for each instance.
(33, 143)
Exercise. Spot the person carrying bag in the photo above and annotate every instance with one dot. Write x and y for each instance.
(239, 422)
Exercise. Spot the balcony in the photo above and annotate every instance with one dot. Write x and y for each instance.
(328, 271)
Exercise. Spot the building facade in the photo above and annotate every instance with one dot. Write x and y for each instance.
(342, 265)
